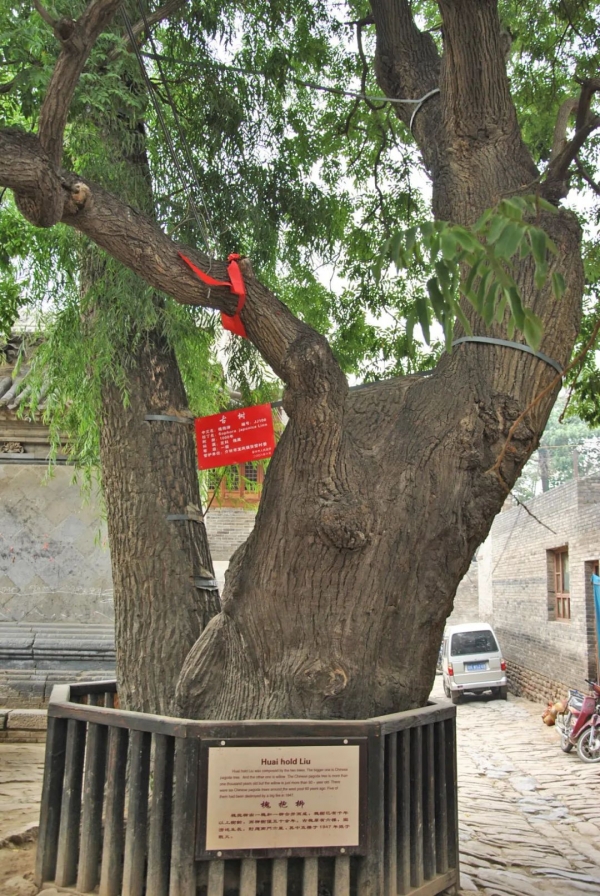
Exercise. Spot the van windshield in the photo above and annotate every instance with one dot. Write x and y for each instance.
(472, 642)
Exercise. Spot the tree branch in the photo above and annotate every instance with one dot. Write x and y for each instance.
(8, 86)
(586, 177)
(365, 69)
(153, 18)
(77, 43)
(556, 174)
(26, 169)
(589, 87)
(45, 15)
(407, 65)
(559, 140)
(367, 20)
(530, 512)
(565, 152)
(298, 355)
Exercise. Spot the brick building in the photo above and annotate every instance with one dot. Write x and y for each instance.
(533, 577)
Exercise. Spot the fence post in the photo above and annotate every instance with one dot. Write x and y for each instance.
(371, 869)
(183, 867)
(70, 811)
(54, 768)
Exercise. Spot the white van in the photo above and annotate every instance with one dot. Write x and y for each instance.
(472, 661)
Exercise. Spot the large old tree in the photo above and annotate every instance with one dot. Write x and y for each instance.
(375, 500)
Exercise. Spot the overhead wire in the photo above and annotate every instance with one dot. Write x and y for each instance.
(337, 91)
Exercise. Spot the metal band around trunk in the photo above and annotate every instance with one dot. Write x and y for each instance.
(169, 418)
(507, 344)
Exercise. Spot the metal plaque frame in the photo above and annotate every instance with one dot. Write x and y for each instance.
(273, 852)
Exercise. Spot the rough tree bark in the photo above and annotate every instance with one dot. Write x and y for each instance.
(149, 473)
(376, 500)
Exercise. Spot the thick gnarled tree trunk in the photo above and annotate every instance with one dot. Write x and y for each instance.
(336, 605)
(376, 500)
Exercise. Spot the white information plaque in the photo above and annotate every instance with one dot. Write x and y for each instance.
(283, 797)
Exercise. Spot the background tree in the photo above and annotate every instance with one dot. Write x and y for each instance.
(375, 500)
(567, 445)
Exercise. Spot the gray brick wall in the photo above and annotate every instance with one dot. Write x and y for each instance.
(466, 601)
(54, 559)
(515, 585)
(227, 529)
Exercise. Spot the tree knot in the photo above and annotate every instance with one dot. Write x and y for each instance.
(322, 678)
(316, 384)
(345, 522)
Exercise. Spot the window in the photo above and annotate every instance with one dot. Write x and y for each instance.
(251, 472)
(561, 583)
(465, 643)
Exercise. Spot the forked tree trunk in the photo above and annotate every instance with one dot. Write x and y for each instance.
(376, 500)
(372, 509)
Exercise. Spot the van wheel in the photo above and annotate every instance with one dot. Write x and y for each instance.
(446, 690)
(456, 697)
(503, 692)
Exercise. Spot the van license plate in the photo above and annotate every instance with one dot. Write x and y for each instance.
(476, 667)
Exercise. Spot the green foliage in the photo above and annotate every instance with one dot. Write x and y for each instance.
(310, 184)
(92, 312)
(476, 262)
(551, 45)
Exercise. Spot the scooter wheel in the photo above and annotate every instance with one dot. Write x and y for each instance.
(565, 744)
(588, 746)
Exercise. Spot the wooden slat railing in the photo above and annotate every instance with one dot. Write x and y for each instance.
(119, 806)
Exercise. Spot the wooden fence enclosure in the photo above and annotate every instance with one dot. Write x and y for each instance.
(120, 793)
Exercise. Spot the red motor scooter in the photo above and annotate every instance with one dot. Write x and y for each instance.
(578, 720)
(588, 743)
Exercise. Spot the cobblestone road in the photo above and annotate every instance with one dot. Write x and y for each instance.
(529, 813)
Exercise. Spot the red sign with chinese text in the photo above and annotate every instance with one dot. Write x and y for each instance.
(235, 436)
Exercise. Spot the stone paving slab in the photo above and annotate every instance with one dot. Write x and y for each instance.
(23, 725)
(21, 773)
(26, 719)
(528, 813)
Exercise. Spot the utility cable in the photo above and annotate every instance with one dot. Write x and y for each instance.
(337, 91)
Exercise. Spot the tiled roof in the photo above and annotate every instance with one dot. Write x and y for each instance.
(12, 388)
(20, 436)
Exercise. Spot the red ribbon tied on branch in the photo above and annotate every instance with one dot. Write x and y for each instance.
(233, 323)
